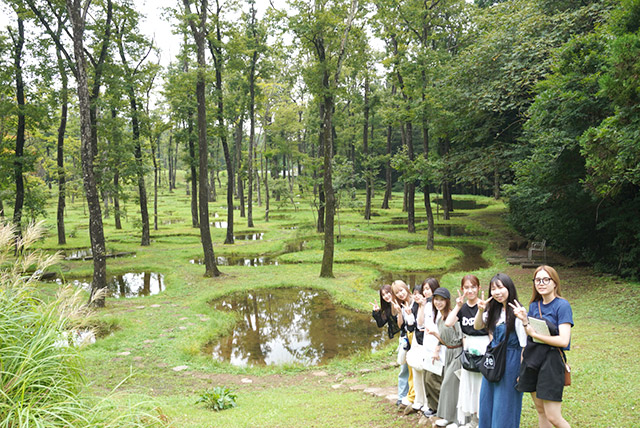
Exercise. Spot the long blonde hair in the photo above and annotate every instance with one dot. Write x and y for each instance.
(396, 286)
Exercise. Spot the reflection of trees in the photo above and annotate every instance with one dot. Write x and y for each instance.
(291, 325)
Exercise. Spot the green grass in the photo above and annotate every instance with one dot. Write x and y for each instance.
(604, 342)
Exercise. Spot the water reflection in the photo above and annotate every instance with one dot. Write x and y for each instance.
(132, 284)
(239, 261)
(249, 237)
(281, 326)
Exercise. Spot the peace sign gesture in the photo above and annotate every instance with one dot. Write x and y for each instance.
(519, 311)
(460, 299)
(482, 304)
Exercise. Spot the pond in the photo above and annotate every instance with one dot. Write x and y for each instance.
(75, 254)
(463, 204)
(471, 260)
(239, 261)
(292, 325)
(128, 285)
(249, 237)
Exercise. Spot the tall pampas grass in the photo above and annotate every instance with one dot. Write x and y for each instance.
(41, 380)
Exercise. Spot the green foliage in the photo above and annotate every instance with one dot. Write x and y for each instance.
(41, 370)
(218, 399)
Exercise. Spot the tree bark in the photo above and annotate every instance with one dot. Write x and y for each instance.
(216, 53)
(321, 194)
(211, 268)
(365, 149)
(18, 162)
(96, 231)
(62, 181)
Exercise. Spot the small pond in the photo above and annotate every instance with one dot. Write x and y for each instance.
(249, 237)
(456, 231)
(463, 204)
(128, 285)
(75, 254)
(239, 261)
(280, 326)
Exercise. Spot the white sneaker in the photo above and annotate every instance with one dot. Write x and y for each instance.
(406, 402)
(453, 425)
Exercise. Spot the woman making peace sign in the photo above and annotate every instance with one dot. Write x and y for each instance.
(542, 370)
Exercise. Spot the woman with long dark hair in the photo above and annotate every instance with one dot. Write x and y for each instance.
(500, 402)
(543, 363)
(385, 313)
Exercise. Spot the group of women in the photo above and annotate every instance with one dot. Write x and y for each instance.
(434, 333)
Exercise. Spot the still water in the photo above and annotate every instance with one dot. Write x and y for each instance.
(292, 325)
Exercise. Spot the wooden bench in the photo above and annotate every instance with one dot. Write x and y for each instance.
(540, 246)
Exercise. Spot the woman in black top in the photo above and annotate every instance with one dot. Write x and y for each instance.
(385, 313)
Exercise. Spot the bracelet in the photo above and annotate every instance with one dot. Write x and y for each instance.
(525, 325)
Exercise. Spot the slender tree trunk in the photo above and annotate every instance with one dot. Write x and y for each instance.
(18, 163)
(216, 53)
(137, 144)
(156, 180)
(326, 270)
(387, 173)
(425, 190)
(266, 190)
(170, 155)
(321, 194)
(96, 231)
(62, 180)
(365, 149)
(238, 147)
(211, 268)
(411, 185)
(194, 175)
(252, 119)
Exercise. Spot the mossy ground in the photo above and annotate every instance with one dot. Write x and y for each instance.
(149, 336)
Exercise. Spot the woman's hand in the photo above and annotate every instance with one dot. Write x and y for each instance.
(376, 308)
(482, 304)
(520, 312)
(460, 299)
(436, 355)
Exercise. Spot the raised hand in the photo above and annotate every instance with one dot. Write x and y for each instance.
(519, 311)
(482, 304)
(460, 299)
(375, 306)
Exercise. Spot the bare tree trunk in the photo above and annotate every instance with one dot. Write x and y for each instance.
(252, 119)
(18, 162)
(425, 190)
(62, 181)
(211, 268)
(365, 149)
(194, 176)
(216, 53)
(321, 194)
(96, 231)
(387, 174)
(238, 147)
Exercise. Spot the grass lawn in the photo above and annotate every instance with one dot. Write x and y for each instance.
(146, 339)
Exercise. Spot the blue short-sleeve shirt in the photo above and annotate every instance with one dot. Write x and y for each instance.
(558, 312)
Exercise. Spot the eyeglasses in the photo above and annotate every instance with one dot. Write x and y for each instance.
(545, 281)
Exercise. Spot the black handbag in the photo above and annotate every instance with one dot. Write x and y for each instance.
(470, 362)
(493, 362)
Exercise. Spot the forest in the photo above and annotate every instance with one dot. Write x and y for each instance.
(531, 101)
(327, 144)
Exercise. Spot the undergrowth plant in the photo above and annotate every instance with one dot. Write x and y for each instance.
(40, 370)
(218, 398)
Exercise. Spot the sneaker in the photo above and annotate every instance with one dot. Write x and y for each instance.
(406, 402)
(429, 412)
(409, 410)
(453, 425)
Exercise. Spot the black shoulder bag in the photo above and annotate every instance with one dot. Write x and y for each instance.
(493, 362)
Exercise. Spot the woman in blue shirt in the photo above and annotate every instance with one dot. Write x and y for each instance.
(543, 364)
